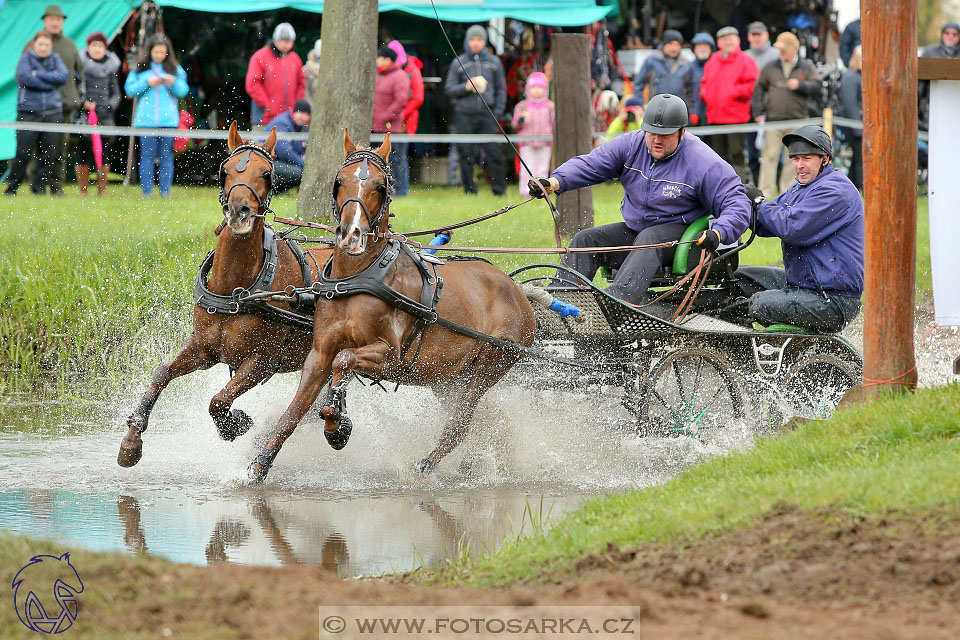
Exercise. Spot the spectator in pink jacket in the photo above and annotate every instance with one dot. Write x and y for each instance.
(727, 87)
(389, 98)
(411, 115)
(275, 79)
(534, 117)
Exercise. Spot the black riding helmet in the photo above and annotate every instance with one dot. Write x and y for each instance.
(665, 113)
(808, 139)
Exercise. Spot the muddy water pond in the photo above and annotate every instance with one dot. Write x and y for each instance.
(530, 458)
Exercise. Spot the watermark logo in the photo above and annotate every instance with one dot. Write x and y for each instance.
(45, 594)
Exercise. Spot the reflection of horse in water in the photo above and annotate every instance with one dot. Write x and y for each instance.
(356, 331)
(40, 575)
(248, 255)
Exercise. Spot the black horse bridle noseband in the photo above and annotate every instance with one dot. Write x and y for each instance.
(365, 156)
(244, 150)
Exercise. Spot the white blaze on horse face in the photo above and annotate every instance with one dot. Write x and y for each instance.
(353, 236)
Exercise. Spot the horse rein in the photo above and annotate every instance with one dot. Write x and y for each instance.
(244, 150)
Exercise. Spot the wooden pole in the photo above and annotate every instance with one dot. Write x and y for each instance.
(344, 98)
(573, 129)
(890, 192)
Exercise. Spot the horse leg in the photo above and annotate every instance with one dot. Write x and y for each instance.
(337, 426)
(234, 423)
(192, 356)
(489, 367)
(316, 372)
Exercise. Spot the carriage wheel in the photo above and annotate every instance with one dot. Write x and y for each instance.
(816, 384)
(688, 392)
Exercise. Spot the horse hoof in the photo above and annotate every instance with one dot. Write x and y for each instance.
(425, 467)
(260, 466)
(339, 437)
(129, 455)
(237, 424)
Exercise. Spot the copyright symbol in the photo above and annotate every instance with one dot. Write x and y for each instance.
(334, 624)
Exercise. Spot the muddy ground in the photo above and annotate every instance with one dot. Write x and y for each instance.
(824, 574)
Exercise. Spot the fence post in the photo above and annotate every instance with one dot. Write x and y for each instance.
(573, 129)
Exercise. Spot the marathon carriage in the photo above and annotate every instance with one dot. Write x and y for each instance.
(682, 375)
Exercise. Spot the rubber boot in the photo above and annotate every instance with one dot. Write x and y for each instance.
(103, 177)
(83, 178)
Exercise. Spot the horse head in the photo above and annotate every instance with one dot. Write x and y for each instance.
(361, 194)
(246, 181)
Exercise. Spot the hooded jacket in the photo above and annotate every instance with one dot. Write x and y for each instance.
(275, 81)
(101, 85)
(666, 75)
(390, 97)
(691, 183)
(727, 87)
(821, 228)
(411, 112)
(479, 64)
(156, 106)
(39, 81)
(292, 151)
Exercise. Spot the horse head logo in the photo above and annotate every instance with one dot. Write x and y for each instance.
(38, 577)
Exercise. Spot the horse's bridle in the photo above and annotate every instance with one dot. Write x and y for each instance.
(263, 204)
(365, 156)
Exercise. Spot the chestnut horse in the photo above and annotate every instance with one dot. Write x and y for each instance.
(253, 346)
(361, 333)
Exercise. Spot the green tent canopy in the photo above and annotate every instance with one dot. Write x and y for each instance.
(20, 19)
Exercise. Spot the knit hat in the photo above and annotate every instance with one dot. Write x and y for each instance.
(302, 106)
(633, 101)
(727, 31)
(97, 36)
(951, 25)
(401, 54)
(386, 52)
(284, 31)
(672, 35)
(704, 38)
(316, 49)
(787, 39)
(476, 31)
(757, 27)
(537, 79)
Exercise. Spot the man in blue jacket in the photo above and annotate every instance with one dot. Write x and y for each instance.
(665, 71)
(670, 179)
(288, 165)
(820, 221)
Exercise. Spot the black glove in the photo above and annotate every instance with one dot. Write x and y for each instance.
(534, 185)
(754, 194)
(709, 240)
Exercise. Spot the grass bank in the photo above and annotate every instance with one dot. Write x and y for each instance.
(899, 454)
(94, 289)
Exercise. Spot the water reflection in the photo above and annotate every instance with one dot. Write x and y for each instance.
(347, 535)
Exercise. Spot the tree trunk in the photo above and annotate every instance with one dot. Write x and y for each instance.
(890, 192)
(344, 98)
(573, 130)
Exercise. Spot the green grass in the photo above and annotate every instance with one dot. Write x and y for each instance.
(897, 454)
(98, 289)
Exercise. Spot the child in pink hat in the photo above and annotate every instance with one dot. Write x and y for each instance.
(534, 117)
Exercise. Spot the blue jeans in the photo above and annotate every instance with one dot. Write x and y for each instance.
(151, 149)
(400, 164)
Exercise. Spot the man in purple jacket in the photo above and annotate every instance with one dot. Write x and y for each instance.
(820, 221)
(670, 179)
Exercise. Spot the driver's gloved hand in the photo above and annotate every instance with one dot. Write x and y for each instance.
(709, 239)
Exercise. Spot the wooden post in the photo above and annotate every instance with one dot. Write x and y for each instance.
(890, 192)
(573, 129)
(344, 98)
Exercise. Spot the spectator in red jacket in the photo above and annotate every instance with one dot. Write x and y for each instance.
(411, 114)
(275, 78)
(390, 97)
(727, 88)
